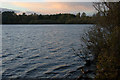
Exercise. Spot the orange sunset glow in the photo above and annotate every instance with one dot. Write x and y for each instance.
(50, 7)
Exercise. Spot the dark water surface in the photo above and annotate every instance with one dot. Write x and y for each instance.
(41, 51)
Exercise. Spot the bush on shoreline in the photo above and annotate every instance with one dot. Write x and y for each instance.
(103, 41)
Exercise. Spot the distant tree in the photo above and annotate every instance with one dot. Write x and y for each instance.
(24, 14)
(9, 17)
(78, 15)
(83, 15)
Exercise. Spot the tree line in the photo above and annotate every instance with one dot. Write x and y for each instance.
(10, 17)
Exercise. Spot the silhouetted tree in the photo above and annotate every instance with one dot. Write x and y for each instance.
(78, 15)
(83, 15)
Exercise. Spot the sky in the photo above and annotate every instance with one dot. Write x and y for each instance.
(49, 6)
(51, 0)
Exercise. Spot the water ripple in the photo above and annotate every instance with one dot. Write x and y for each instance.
(41, 51)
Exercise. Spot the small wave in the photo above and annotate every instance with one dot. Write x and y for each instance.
(54, 49)
(33, 57)
(31, 71)
(47, 57)
(71, 72)
(19, 57)
(13, 59)
(6, 55)
(52, 73)
(61, 67)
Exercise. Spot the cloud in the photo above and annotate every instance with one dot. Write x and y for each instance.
(55, 7)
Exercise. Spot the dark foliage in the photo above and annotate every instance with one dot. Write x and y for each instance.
(103, 41)
(9, 17)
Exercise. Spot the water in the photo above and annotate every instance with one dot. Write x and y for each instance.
(41, 51)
